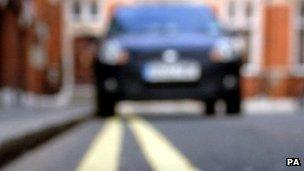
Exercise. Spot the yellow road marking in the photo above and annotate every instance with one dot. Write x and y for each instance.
(104, 153)
(158, 151)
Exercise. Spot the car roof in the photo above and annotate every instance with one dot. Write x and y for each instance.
(164, 6)
(168, 2)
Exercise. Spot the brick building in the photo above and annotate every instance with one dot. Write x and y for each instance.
(273, 29)
(30, 49)
(48, 45)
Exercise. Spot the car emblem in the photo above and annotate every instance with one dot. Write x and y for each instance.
(170, 56)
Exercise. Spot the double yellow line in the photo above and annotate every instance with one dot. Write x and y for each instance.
(104, 152)
(160, 153)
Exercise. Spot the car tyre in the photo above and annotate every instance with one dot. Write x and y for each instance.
(210, 107)
(233, 104)
(105, 106)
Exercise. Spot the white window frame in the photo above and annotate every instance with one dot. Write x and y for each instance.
(95, 17)
(85, 12)
(71, 13)
(255, 28)
(86, 25)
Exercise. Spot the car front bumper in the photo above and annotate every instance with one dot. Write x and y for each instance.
(125, 82)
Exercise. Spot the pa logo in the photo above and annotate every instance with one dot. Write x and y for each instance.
(293, 162)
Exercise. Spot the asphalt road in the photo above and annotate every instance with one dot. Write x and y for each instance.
(247, 143)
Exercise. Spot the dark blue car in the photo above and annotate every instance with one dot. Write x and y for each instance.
(167, 52)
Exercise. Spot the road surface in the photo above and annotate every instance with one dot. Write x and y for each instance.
(247, 143)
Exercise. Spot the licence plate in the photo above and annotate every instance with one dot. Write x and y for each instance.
(161, 72)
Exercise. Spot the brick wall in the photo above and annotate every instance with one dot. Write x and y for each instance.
(22, 66)
(1, 48)
(45, 78)
(9, 41)
(277, 37)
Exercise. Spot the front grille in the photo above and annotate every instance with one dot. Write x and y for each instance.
(139, 59)
(197, 55)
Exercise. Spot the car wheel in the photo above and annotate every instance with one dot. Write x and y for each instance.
(105, 106)
(210, 107)
(233, 104)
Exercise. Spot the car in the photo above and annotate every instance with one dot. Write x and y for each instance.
(155, 52)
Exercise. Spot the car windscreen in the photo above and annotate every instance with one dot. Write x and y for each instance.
(142, 19)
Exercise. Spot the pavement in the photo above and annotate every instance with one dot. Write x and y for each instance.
(23, 127)
(252, 106)
(264, 105)
(247, 143)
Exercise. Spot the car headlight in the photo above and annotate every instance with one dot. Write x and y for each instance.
(226, 50)
(113, 54)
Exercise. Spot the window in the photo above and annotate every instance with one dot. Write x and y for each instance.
(76, 10)
(302, 10)
(87, 11)
(94, 8)
(301, 54)
(178, 19)
(301, 35)
(249, 9)
(239, 13)
(231, 9)
(246, 34)
(244, 18)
